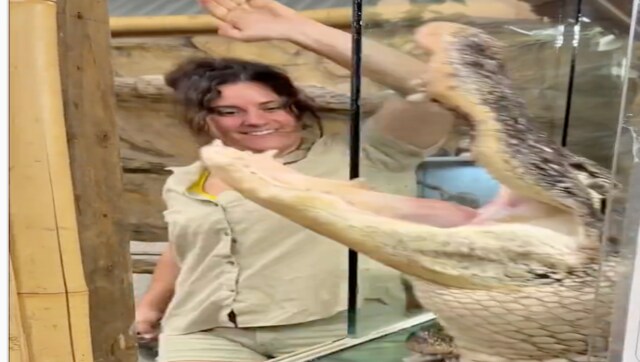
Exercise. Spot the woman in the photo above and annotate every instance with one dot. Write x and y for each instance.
(239, 283)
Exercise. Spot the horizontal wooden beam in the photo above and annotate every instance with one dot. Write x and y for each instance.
(147, 248)
(336, 17)
(194, 24)
(143, 266)
(153, 88)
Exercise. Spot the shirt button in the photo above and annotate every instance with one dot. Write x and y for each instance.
(227, 233)
(231, 262)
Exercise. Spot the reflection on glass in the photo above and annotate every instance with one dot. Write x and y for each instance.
(539, 52)
(593, 55)
(623, 219)
(544, 48)
(601, 58)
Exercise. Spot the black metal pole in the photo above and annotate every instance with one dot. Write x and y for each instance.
(574, 55)
(354, 150)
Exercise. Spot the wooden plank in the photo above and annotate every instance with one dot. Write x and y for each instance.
(44, 250)
(147, 248)
(87, 88)
(18, 344)
(144, 266)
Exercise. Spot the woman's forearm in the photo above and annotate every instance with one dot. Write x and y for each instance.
(380, 63)
(163, 282)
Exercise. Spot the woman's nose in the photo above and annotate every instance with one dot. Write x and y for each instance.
(255, 118)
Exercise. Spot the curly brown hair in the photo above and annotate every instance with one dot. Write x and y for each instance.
(196, 81)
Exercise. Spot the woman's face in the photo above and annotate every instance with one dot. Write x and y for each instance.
(250, 116)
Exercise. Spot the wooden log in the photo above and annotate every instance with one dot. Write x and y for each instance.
(335, 17)
(143, 265)
(87, 87)
(145, 205)
(148, 249)
(128, 26)
(194, 24)
(145, 255)
(52, 296)
(153, 89)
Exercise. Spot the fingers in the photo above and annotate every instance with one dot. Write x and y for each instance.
(221, 8)
(145, 331)
(214, 9)
(267, 3)
(227, 4)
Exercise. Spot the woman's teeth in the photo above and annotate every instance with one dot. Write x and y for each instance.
(261, 133)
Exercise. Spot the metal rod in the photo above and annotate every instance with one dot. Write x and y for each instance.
(574, 55)
(354, 150)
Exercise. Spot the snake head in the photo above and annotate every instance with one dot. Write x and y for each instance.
(451, 39)
(465, 72)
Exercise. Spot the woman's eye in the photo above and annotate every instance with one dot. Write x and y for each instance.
(225, 112)
(273, 108)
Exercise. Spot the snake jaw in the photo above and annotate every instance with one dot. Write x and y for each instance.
(466, 75)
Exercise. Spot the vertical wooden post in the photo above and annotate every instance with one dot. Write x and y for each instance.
(50, 306)
(89, 112)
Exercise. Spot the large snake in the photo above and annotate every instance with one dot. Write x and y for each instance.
(529, 286)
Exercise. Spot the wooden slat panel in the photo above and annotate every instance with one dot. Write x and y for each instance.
(18, 345)
(49, 280)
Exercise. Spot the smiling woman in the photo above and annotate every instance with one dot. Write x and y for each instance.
(248, 106)
(239, 282)
(232, 263)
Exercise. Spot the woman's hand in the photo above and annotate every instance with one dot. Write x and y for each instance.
(147, 323)
(254, 20)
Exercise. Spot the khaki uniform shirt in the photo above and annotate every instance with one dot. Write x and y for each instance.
(245, 266)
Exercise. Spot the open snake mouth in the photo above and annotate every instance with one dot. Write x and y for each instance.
(331, 207)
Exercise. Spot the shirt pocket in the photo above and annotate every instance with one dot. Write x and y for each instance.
(196, 226)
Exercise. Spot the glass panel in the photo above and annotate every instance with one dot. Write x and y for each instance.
(392, 347)
(623, 219)
(597, 84)
(539, 56)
